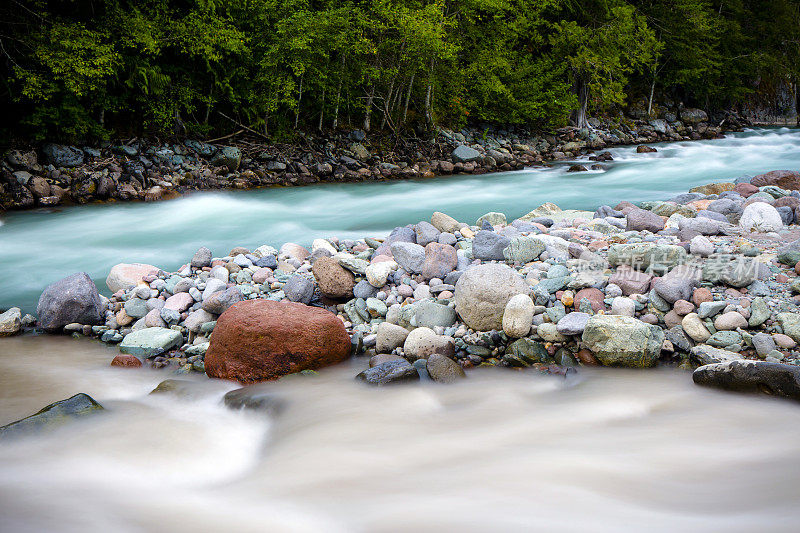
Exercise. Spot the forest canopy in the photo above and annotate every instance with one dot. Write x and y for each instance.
(89, 69)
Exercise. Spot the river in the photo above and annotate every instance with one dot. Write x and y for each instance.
(604, 450)
(39, 247)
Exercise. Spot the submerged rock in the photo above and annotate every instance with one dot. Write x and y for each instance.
(54, 415)
(260, 397)
(388, 373)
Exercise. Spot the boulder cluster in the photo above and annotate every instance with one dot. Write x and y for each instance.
(60, 174)
(704, 280)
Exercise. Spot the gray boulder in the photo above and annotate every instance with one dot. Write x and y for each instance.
(72, 299)
(202, 258)
(776, 379)
(54, 415)
(299, 289)
(60, 155)
(482, 292)
(623, 341)
(489, 246)
(465, 154)
(389, 373)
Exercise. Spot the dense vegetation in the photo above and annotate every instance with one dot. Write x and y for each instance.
(89, 68)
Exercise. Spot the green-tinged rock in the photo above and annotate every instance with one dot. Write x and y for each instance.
(54, 415)
(790, 323)
(759, 312)
(721, 339)
(529, 351)
(732, 270)
(623, 341)
(658, 258)
(430, 314)
(150, 342)
(523, 249)
(492, 218)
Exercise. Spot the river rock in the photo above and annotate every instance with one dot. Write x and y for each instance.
(421, 342)
(378, 273)
(759, 312)
(700, 245)
(389, 336)
(647, 256)
(333, 279)
(10, 322)
(631, 281)
(623, 341)
(465, 154)
(431, 314)
(126, 275)
(775, 379)
(518, 316)
(642, 220)
(482, 292)
(410, 256)
(150, 342)
(694, 328)
(785, 179)
(523, 249)
(69, 300)
(221, 301)
(126, 361)
(790, 323)
(389, 373)
(760, 217)
(440, 260)
(705, 355)
(54, 415)
(259, 340)
(674, 288)
(730, 321)
(202, 258)
(179, 302)
(443, 369)
(488, 246)
(60, 155)
(763, 343)
(445, 223)
(299, 289)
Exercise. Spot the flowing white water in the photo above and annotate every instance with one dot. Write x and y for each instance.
(37, 248)
(502, 451)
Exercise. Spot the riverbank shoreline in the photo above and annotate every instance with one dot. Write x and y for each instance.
(60, 175)
(703, 278)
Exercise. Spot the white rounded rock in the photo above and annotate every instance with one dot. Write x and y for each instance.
(623, 306)
(760, 217)
(378, 273)
(518, 316)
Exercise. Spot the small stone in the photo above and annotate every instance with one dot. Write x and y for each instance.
(518, 316)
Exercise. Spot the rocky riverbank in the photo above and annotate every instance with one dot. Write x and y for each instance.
(146, 171)
(707, 280)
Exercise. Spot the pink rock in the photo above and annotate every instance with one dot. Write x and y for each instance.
(262, 275)
(126, 275)
(153, 319)
(179, 302)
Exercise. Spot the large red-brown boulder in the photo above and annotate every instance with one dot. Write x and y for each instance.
(785, 179)
(259, 340)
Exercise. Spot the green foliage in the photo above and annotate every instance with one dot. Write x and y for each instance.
(80, 69)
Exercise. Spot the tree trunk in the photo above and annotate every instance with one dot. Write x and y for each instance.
(299, 99)
(338, 95)
(408, 97)
(428, 115)
(386, 103)
(368, 111)
(322, 109)
(583, 103)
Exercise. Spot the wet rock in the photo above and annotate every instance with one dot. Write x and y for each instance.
(10, 322)
(775, 379)
(389, 373)
(60, 155)
(259, 397)
(54, 415)
(443, 369)
(72, 299)
(259, 340)
(465, 154)
(126, 361)
(482, 292)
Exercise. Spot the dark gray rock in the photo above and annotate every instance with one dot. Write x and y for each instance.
(776, 379)
(443, 369)
(60, 155)
(489, 246)
(398, 234)
(54, 415)
(643, 220)
(388, 373)
(687, 197)
(260, 397)
(363, 289)
(465, 154)
(607, 211)
(712, 215)
(674, 288)
(202, 258)
(268, 261)
(786, 213)
(72, 299)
